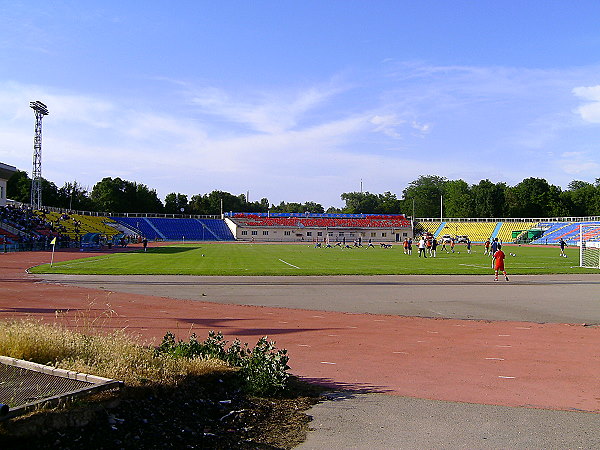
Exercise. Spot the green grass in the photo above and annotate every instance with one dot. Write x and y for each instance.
(282, 259)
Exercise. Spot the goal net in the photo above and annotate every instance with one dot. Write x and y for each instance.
(589, 246)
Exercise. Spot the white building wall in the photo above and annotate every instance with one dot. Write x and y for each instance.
(282, 234)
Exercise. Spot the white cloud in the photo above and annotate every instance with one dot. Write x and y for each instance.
(590, 112)
(578, 163)
(271, 112)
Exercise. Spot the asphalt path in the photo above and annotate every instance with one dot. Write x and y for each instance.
(378, 421)
(530, 298)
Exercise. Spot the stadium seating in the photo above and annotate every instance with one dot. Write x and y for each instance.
(569, 231)
(322, 221)
(76, 225)
(172, 229)
(507, 228)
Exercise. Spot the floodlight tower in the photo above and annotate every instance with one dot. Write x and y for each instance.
(40, 110)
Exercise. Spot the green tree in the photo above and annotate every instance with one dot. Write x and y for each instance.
(295, 207)
(533, 197)
(488, 199)
(426, 192)
(174, 203)
(74, 196)
(457, 199)
(582, 198)
(18, 187)
(117, 195)
(360, 202)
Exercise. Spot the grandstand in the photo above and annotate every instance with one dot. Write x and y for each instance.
(77, 225)
(568, 231)
(293, 227)
(22, 228)
(172, 229)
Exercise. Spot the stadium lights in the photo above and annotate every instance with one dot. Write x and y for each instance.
(39, 107)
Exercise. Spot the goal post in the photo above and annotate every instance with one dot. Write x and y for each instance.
(589, 246)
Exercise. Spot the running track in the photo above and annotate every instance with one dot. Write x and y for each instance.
(516, 362)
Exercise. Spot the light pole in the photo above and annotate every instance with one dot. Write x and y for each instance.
(40, 110)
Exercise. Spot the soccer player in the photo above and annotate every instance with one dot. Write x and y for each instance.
(499, 263)
(487, 247)
(422, 247)
(563, 244)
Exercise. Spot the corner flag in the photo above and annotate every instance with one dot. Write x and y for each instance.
(53, 243)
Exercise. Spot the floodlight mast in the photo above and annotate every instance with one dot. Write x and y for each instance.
(40, 110)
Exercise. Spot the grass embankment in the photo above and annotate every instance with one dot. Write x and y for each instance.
(115, 356)
(270, 259)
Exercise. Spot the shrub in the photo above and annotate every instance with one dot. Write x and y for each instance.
(263, 369)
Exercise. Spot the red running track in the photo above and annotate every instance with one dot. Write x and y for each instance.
(553, 366)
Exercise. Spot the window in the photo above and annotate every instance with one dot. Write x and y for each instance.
(287, 233)
(319, 233)
(373, 234)
(309, 233)
(254, 233)
(244, 232)
(383, 234)
(341, 233)
(265, 233)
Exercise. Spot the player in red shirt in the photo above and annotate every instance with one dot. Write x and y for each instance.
(499, 263)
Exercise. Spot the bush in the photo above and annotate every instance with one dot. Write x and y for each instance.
(263, 369)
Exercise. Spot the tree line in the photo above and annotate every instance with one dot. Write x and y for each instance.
(427, 196)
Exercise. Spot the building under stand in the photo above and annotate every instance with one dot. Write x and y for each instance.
(307, 227)
(6, 172)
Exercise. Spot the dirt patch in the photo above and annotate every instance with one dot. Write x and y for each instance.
(200, 413)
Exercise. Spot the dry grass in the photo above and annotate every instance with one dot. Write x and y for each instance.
(115, 356)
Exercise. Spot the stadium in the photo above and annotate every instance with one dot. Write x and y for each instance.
(335, 284)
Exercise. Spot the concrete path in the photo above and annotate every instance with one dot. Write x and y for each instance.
(377, 421)
(530, 298)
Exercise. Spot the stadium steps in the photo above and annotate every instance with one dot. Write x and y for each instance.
(439, 229)
(496, 230)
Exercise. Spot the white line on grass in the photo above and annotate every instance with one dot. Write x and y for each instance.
(296, 267)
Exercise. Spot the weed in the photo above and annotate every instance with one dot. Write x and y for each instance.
(262, 369)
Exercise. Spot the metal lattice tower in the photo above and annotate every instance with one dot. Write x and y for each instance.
(40, 111)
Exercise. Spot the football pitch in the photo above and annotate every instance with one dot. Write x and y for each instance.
(305, 259)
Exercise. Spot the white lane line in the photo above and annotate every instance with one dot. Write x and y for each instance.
(506, 378)
(327, 362)
(523, 328)
(504, 346)
(433, 332)
(401, 353)
(495, 359)
(303, 345)
(285, 262)
(318, 317)
(333, 335)
(504, 335)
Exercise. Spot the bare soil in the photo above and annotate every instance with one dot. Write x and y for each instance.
(207, 412)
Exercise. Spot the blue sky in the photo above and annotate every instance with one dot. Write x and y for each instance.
(301, 100)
